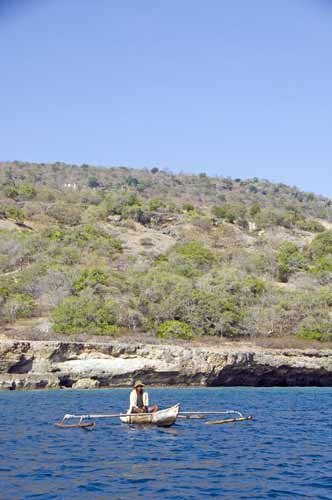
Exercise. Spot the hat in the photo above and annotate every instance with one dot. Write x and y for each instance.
(138, 383)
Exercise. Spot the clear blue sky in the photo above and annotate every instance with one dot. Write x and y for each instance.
(239, 88)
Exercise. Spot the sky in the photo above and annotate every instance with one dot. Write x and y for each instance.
(234, 88)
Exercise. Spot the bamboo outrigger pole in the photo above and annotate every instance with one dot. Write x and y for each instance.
(229, 420)
(201, 414)
(225, 412)
(90, 416)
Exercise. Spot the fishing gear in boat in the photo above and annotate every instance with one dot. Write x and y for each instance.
(160, 418)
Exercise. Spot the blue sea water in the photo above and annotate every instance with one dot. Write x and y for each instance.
(285, 453)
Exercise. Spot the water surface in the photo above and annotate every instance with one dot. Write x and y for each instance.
(285, 453)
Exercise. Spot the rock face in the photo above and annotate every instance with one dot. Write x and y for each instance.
(39, 365)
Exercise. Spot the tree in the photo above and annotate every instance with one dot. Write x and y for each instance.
(85, 314)
(132, 181)
(290, 260)
(93, 182)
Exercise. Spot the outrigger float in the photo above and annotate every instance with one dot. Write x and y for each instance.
(160, 418)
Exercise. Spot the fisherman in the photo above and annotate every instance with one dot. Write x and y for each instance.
(139, 400)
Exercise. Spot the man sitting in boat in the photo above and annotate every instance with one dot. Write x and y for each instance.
(139, 400)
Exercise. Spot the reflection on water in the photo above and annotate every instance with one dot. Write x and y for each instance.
(284, 453)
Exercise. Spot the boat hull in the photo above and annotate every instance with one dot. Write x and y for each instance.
(161, 418)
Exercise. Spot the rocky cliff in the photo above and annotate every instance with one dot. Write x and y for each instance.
(51, 365)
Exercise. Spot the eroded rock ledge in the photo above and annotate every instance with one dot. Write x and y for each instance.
(51, 365)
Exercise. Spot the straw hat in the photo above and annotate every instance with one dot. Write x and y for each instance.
(138, 383)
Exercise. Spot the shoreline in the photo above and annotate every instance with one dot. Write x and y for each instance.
(28, 365)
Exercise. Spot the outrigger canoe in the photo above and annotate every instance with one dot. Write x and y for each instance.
(161, 418)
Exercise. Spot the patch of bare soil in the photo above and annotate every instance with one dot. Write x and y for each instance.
(137, 238)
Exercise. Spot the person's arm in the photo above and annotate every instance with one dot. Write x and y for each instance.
(146, 400)
(133, 400)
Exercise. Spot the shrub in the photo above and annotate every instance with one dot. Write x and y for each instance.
(209, 313)
(85, 314)
(254, 209)
(19, 306)
(27, 192)
(65, 214)
(290, 260)
(322, 265)
(310, 225)
(132, 181)
(315, 330)
(14, 213)
(309, 334)
(11, 192)
(202, 222)
(321, 245)
(188, 207)
(118, 203)
(197, 253)
(56, 235)
(90, 278)
(174, 329)
(93, 182)
(255, 286)
(155, 204)
(230, 212)
(253, 188)
(146, 242)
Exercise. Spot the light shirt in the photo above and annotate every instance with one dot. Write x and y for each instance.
(133, 399)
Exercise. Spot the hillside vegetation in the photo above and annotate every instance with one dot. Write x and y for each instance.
(114, 251)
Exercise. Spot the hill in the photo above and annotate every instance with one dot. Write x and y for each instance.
(87, 251)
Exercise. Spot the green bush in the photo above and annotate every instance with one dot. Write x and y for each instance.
(65, 214)
(322, 265)
(132, 181)
(26, 192)
(118, 203)
(188, 207)
(174, 329)
(19, 305)
(316, 328)
(87, 237)
(85, 314)
(14, 213)
(255, 286)
(197, 253)
(309, 335)
(90, 278)
(155, 204)
(254, 209)
(290, 260)
(11, 192)
(210, 313)
(321, 245)
(310, 225)
(93, 182)
(230, 212)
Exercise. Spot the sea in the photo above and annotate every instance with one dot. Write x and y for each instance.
(283, 453)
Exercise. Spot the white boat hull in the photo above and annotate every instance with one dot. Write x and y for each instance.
(161, 418)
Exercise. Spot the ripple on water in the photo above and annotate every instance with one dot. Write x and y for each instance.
(279, 455)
